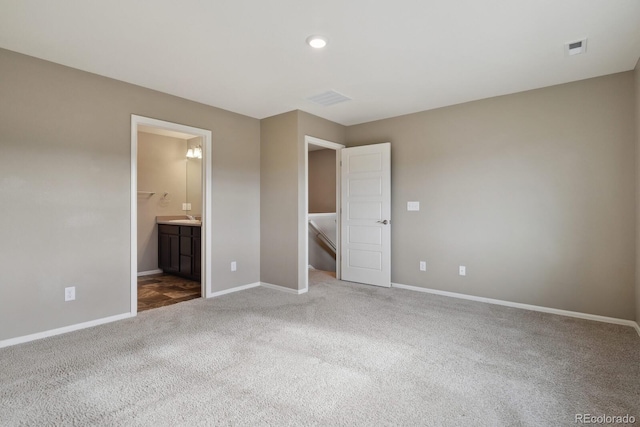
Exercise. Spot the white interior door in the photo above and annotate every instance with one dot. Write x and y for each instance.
(366, 214)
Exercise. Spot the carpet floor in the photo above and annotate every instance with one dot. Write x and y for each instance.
(342, 354)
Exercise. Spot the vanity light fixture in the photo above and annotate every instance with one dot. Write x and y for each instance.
(317, 42)
(195, 152)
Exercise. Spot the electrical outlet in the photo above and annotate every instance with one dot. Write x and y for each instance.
(423, 265)
(413, 206)
(70, 293)
(462, 270)
(184, 207)
(188, 206)
(234, 266)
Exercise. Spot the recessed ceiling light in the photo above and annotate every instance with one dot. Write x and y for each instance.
(317, 42)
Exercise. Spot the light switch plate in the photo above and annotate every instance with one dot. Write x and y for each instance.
(184, 206)
(413, 206)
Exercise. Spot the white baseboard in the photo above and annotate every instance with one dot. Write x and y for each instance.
(149, 273)
(32, 337)
(236, 289)
(283, 288)
(567, 313)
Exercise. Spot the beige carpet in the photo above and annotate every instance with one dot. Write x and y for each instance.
(343, 354)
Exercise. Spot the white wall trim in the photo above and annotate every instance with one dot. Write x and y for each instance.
(149, 272)
(322, 143)
(235, 289)
(314, 215)
(58, 331)
(557, 311)
(284, 289)
(207, 223)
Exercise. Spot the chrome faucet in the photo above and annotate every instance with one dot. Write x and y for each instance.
(191, 217)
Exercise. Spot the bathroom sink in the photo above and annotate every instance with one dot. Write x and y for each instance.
(186, 221)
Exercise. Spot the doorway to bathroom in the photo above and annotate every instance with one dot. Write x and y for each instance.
(170, 213)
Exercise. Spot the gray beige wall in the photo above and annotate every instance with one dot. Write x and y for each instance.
(161, 169)
(636, 75)
(533, 192)
(322, 181)
(65, 140)
(279, 200)
(282, 191)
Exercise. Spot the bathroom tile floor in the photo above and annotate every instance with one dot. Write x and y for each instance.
(162, 289)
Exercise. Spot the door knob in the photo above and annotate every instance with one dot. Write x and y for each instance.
(384, 221)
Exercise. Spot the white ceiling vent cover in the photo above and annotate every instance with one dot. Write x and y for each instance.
(575, 48)
(328, 98)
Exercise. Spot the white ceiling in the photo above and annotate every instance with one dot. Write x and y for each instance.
(391, 57)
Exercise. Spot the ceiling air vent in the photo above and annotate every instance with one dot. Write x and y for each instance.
(575, 48)
(328, 98)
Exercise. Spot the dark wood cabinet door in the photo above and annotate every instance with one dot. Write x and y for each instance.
(168, 229)
(174, 253)
(185, 265)
(197, 257)
(164, 257)
(179, 250)
(185, 245)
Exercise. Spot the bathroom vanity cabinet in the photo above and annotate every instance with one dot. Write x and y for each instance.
(180, 250)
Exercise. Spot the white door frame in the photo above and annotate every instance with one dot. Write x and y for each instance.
(206, 201)
(333, 146)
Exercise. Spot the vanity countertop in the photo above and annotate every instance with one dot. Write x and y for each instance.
(178, 220)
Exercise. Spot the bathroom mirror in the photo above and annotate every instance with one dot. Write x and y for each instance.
(194, 180)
